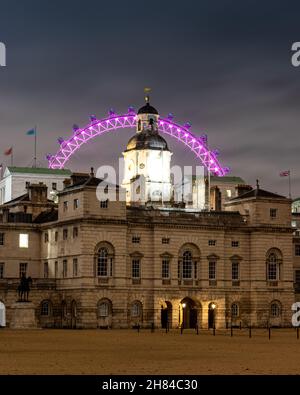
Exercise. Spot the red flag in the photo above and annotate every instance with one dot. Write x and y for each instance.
(8, 151)
(284, 173)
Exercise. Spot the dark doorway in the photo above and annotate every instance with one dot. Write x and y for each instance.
(211, 315)
(166, 315)
(189, 313)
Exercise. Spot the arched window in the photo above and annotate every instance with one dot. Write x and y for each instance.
(187, 265)
(272, 267)
(104, 256)
(275, 309)
(234, 310)
(136, 309)
(104, 308)
(45, 308)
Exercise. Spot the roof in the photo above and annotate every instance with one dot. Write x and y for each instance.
(87, 181)
(229, 179)
(39, 170)
(258, 193)
(147, 140)
(46, 216)
(147, 109)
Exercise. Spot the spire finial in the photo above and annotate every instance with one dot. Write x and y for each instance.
(147, 96)
(257, 184)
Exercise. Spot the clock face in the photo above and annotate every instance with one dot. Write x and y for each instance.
(142, 166)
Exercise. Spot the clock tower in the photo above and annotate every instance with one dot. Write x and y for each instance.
(147, 175)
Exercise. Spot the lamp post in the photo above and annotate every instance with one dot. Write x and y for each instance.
(183, 305)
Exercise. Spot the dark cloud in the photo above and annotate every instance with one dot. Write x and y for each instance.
(224, 66)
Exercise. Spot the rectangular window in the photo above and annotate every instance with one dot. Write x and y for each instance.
(22, 269)
(297, 249)
(65, 234)
(212, 270)
(104, 203)
(2, 270)
(46, 270)
(212, 242)
(195, 270)
(75, 267)
(54, 186)
(56, 236)
(272, 271)
(234, 243)
(46, 237)
(136, 273)
(65, 206)
(65, 268)
(136, 239)
(23, 240)
(165, 240)
(56, 269)
(75, 232)
(273, 213)
(187, 269)
(297, 276)
(228, 191)
(2, 239)
(165, 268)
(76, 204)
(235, 275)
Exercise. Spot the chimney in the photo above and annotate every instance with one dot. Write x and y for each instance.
(38, 193)
(66, 182)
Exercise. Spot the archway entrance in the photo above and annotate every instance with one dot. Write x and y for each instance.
(166, 315)
(2, 315)
(189, 313)
(211, 315)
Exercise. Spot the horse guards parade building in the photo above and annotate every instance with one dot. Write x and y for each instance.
(232, 260)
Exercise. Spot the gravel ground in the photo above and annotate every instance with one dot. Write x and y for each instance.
(129, 352)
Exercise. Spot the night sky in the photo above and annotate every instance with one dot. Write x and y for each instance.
(225, 66)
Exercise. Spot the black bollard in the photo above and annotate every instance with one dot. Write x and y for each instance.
(152, 327)
(298, 333)
(250, 334)
(240, 325)
(181, 329)
(138, 328)
(231, 331)
(214, 331)
(269, 333)
(197, 329)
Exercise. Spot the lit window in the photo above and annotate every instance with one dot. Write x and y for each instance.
(228, 193)
(23, 240)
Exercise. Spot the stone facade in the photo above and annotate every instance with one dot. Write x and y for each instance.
(104, 264)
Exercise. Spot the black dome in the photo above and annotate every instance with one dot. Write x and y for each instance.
(147, 140)
(147, 109)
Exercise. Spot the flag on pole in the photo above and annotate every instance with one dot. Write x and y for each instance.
(8, 151)
(284, 173)
(31, 132)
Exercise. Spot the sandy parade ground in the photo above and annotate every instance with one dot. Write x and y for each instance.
(130, 352)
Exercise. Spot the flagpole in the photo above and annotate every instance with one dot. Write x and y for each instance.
(12, 156)
(34, 159)
(290, 192)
